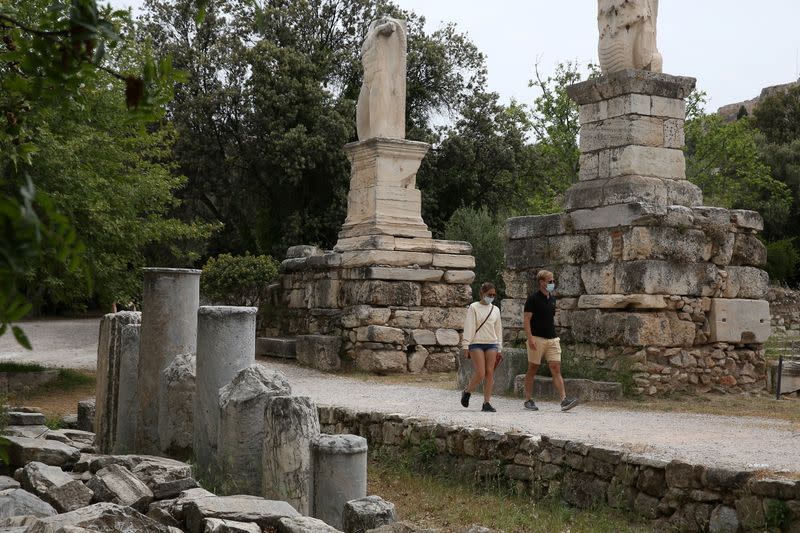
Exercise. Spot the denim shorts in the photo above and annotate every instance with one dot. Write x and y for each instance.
(483, 347)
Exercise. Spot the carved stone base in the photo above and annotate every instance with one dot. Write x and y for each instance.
(383, 198)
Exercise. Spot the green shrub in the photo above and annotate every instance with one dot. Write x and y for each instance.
(483, 229)
(13, 366)
(782, 260)
(238, 280)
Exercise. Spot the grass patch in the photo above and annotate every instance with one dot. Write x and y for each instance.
(13, 366)
(434, 500)
(60, 396)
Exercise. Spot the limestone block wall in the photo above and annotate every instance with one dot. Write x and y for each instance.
(675, 495)
(784, 308)
(672, 293)
(397, 304)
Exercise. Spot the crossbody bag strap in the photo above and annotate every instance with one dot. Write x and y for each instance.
(485, 319)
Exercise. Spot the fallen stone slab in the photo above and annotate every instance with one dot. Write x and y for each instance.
(69, 496)
(100, 518)
(8, 483)
(265, 513)
(74, 437)
(16, 502)
(70, 421)
(161, 512)
(154, 472)
(38, 477)
(181, 503)
(367, 513)
(16, 418)
(17, 521)
(219, 525)
(32, 432)
(131, 461)
(171, 489)
(401, 527)
(23, 450)
(304, 524)
(116, 484)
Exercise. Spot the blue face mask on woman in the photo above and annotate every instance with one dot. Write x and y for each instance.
(551, 287)
(488, 299)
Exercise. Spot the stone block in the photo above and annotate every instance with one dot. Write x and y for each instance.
(383, 293)
(511, 313)
(451, 247)
(515, 361)
(323, 293)
(739, 321)
(746, 282)
(382, 361)
(632, 160)
(25, 419)
(38, 478)
(302, 250)
(219, 525)
(622, 131)
(598, 278)
(265, 513)
(404, 274)
(157, 472)
(625, 328)
(723, 520)
(683, 193)
(405, 319)
(424, 337)
(627, 189)
(363, 315)
(242, 430)
(453, 261)
(612, 216)
(530, 253)
(674, 136)
(621, 301)
(662, 277)
(568, 281)
(276, 347)
(366, 242)
(115, 484)
(367, 513)
(674, 108)
(304, 524)
(534, 226)
(421, 244)
(589, 167)
(128, 390)
(416, 361)
(383, 334)
(86, 415)
(445, 295)
(366, 258)
(447, 337)
(748, 250)
(441, 361)
(674, 244)
(747, 219)
(69, 496)
(23, 450)
(18, 502)
(571, 249)
(459, 276)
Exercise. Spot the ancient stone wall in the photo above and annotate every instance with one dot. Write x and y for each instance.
(675, 495)
(784, 308)
(397, 304)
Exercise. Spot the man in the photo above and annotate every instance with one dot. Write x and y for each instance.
(540, 330)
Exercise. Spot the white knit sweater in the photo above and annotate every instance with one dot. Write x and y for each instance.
(490, 333)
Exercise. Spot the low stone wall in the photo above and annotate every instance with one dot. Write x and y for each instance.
(675, 495)
(784, 308)
(24, 381)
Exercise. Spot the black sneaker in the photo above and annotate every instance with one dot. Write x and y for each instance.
(487, 408)
(568, 403)
(465, 398)
(530, 405)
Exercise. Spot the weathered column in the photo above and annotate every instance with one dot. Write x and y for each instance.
(176, 406)
(169, 327)
(340, 475)
(292, 424)
(109, 356)
(242, 402)
(226, 343)
(127, 397)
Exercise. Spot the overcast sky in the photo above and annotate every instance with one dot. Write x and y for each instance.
(733, 47)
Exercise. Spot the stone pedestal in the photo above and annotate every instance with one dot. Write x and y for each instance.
(397, 304)
(169, 327)
(292, 424)
(383, 198)
(113, 352)
(340, 475)
(647, 277)
(226, 338)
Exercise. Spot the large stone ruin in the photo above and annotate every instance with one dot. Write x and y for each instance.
(650, 281)
(388, 297)
(181, 380)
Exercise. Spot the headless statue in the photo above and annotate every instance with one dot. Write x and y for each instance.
(628, 35)
(381, 110)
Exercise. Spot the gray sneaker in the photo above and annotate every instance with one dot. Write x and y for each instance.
(530, 405)
(568, 403)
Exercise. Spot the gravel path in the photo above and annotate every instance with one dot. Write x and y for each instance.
(742, 442)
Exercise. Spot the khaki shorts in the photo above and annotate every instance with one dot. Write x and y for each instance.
(547, 349)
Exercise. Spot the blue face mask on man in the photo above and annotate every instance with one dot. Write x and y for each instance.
(551, 287)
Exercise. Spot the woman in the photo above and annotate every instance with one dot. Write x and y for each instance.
(483, 343)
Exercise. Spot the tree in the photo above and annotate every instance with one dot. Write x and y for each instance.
(270, 101)
(50, 52)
